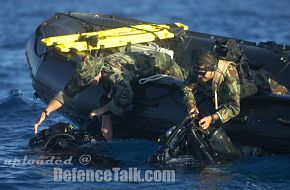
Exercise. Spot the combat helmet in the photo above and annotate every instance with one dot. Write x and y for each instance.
(207, 59)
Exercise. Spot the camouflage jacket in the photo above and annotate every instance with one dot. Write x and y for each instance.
(228, 93)
(119, 70)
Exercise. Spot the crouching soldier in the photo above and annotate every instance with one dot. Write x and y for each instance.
(227, 84)
(114, 72)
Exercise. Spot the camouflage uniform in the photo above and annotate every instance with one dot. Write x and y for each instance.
(228, 93)
(119, 70)
(84, 73)
(264, 82)
(232, 89)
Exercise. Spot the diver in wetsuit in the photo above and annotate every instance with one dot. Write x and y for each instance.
(114, 72)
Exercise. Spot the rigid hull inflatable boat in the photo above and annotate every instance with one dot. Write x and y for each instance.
(264, 120)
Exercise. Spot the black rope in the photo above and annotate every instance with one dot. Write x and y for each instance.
(82, 20)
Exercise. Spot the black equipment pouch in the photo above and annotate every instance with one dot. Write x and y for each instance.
(228, 49)
(222, 145)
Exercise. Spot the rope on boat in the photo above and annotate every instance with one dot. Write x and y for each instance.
(152, 78)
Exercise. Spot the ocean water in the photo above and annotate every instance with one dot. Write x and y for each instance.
(256, 20)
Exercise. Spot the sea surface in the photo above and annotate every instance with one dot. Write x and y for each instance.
(255, 20)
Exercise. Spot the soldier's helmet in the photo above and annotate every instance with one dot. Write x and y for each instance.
(207, 59)
(89, 68)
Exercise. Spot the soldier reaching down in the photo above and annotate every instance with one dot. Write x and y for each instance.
(222, 80)
(114, 72)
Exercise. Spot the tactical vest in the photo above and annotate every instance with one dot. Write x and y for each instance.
(248, 87)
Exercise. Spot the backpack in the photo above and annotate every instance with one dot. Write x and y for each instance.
(228, 50)
(230, 53)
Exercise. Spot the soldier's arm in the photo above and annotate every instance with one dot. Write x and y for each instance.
(188, 88)
(70, 90)
(231, 108)
(122, 97)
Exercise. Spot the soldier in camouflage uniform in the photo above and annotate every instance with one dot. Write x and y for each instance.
(114, 72)
(226, 87)
(120, 69)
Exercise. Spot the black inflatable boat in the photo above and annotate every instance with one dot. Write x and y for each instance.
(264, 120)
